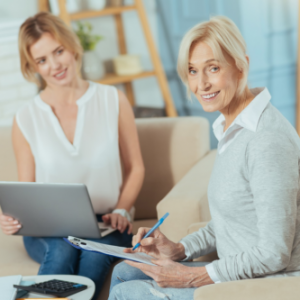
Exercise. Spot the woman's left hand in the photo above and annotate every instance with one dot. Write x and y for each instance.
(117, 221)
(168, 273)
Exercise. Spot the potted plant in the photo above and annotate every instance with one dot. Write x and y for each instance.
(92, 67)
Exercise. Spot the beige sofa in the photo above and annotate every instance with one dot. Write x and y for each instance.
(178, 166)
(177, 157)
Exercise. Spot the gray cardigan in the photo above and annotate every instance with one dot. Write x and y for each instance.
(254, 200)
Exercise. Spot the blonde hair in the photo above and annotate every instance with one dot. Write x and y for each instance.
(221, 34)
(32, 30)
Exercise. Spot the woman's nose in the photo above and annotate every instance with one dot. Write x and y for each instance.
(203, 83)
(54, 63)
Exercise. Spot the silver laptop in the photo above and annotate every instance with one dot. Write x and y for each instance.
(51, 209)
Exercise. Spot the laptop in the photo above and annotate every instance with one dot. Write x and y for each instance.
(51, 209)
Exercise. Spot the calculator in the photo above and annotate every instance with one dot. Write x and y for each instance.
(57, 288)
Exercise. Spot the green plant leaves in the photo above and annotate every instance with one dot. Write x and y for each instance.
(88, 41)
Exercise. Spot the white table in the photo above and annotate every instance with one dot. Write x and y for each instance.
(83, 295)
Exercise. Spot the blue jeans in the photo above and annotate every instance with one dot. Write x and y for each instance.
(129, 283)
(58, 257)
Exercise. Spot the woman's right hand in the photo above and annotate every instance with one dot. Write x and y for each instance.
(157, 245)
(9, 225)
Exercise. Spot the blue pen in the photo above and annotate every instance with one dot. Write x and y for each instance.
(152, 229)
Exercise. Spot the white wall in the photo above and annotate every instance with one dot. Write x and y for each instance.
(16, 92)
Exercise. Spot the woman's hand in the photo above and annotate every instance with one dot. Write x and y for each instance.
(157, 245)
(117, 221)
(168, 273)
(9, 225)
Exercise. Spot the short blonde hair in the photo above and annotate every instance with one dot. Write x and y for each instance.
(222, 35)
(32, 30)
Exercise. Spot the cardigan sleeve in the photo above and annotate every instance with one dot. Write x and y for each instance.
(273, 170)
(200, 243)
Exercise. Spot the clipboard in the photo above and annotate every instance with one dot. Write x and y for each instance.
(116, 251)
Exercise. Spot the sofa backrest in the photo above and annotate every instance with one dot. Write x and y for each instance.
(8, 165)
(170, 147)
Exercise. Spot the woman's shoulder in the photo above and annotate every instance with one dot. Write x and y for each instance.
(274, 133)
(103, 88)
(27, 109)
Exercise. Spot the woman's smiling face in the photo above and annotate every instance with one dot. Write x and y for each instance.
(53, 62)
(214, 83)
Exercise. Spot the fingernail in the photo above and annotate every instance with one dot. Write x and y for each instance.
(19, 226)
(16, 222)
(10, 219)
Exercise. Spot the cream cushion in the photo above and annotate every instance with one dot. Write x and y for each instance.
(171, 147)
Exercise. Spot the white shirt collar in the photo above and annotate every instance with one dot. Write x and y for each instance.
(248, 118)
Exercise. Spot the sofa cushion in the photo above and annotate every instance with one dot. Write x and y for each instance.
(14, 258)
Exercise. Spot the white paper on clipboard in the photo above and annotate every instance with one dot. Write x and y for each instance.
(111, 250)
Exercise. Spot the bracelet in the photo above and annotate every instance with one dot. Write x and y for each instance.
(123, 212)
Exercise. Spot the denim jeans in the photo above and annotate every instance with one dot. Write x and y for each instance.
(58, 257)
(129, 283)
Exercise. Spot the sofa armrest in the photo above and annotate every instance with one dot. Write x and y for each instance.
(195, 227)
(252, 289)
(187, 201)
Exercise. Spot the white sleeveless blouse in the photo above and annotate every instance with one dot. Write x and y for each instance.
(92, 159)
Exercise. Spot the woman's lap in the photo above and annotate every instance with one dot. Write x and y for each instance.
(58, 257)
(131, 283)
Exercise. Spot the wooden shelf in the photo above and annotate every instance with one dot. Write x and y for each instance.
(115, 79)
(103, 12)
(116, 12)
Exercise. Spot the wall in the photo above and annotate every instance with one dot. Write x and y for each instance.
(15, 91)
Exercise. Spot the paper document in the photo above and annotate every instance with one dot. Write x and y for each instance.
(8, 292)
(109, 250)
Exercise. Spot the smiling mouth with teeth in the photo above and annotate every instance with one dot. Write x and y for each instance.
(60, 74)
(209, 96)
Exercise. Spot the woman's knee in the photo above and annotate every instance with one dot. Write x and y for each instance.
(127, 291)
(58, 257)
(124, 272)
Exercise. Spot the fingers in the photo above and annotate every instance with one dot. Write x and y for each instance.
(142, 232)
(149, 241)
(128, 250)
(9, 225)
(106, 218)
(11, 230)
(117, 222)
(122, 223)
(113, 220)
(141, 266)
(151, 271)
(130, 226)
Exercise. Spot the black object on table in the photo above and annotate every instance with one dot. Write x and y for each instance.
(57, 288)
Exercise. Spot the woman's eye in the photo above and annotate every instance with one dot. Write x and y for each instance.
(192, 72)
(60, 51)
(214, 69)
(42, 61)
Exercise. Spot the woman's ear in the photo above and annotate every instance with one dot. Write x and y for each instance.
(247, 58)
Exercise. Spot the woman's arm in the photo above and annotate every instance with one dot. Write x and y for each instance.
(132, 162)
(200, 243)
(26, 172)
(134, 170)
(273, 168)
(23, 154)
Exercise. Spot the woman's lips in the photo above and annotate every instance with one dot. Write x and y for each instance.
(61, 75)
(210, 97)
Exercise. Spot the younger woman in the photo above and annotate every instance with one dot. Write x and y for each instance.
(74, 132)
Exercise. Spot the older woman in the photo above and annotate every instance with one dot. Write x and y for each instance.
(253, 191)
